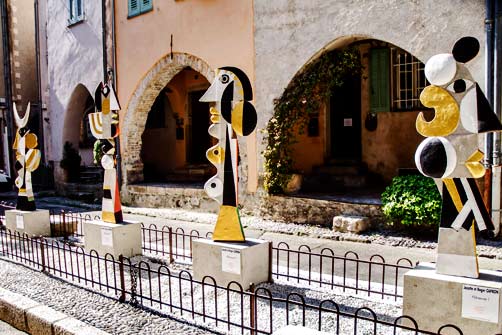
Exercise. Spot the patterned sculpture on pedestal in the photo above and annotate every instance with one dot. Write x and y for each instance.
(451, 156)
(232, 114)
(104, 126)
(27, 160)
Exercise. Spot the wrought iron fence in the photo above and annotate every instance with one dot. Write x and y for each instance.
(303, 266)
(374, 276)
(154, 286)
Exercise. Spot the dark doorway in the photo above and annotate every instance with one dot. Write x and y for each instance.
(198, 136)
(345, 121)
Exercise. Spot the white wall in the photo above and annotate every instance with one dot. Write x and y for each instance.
(288, 33)
(74, 56)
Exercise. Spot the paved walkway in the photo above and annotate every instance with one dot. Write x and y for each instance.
(6, 329)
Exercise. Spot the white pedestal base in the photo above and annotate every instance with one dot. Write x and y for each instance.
(36, 223)
(243, 262)
(434, 300)
(113, 238)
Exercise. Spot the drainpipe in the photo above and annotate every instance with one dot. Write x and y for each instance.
(114, 73)
(7, 79)
(39, 84)
(497, 100)
(103, 38)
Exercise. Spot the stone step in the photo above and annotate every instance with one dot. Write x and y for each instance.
(351, 223)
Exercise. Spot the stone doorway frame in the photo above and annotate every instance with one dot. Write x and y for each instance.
(140, 103)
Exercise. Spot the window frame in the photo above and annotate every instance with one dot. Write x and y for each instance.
(73, 6)
(142, 8)
(416, 81)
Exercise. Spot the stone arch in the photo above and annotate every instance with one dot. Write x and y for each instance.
(75, 111)
(141, 102)
(314, 155)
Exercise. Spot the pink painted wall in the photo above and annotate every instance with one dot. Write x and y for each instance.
(218, 32)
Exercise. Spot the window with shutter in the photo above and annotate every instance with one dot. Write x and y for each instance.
(134, 8)
(75, 11)
(146, 5)
(379, 80)
(137, 7)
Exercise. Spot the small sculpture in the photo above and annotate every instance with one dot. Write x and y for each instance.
(104, 126)
(27, 160)
(231, 115)
(451, 156)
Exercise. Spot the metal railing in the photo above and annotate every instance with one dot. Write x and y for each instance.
(348, 272)
(154, 286)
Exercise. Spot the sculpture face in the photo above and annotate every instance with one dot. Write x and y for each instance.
(104, 126)
(450, 153)
(27, 160)
(231, 115)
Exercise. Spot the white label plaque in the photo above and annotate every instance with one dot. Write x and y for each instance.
(480, 303)
(19, 222)
(231, 261)
(347, 122)
(106, 237)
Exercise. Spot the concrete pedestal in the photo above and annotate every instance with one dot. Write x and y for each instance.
(32, 223)
(113, 238)
(473, 305)
(244, 262)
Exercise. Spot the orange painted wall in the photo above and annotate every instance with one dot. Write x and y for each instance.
(219, 32)
(390, 147)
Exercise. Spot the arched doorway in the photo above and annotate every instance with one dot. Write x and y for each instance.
(140, 104)
(175, 138)
(364, 134)
(76, 124)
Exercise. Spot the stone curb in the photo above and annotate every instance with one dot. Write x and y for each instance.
(34, 318)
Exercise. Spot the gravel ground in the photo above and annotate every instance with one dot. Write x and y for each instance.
(381, 236)
(159, 291)
(485, 248)
(95, 309)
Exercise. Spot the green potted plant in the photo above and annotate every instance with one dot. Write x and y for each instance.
(70, 162)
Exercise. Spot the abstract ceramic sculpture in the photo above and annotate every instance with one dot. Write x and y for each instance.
(232, 114)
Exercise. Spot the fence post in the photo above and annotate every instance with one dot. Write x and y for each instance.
(252, 304)
(63, 227)
(270, 280)
(42, 254)
(122, 279)
(171, 258)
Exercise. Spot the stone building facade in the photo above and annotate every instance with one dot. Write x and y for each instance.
(290, 34)
(18, 48)
(74, 43)
(166, 51)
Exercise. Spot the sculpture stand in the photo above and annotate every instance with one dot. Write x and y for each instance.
(113, 238)
(243, 262)
(32, 223)
(472, 304)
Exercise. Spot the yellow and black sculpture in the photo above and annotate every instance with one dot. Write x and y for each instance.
(232, 114)
(104, 126)
(451, 156)
(27, 160)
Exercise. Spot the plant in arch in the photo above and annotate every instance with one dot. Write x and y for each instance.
(304, 96)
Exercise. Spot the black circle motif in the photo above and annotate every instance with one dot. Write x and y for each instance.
(224, 78)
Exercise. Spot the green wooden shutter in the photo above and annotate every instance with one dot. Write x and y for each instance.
(146, 5)
(71, 11)
(379, 80)
(134, 7)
